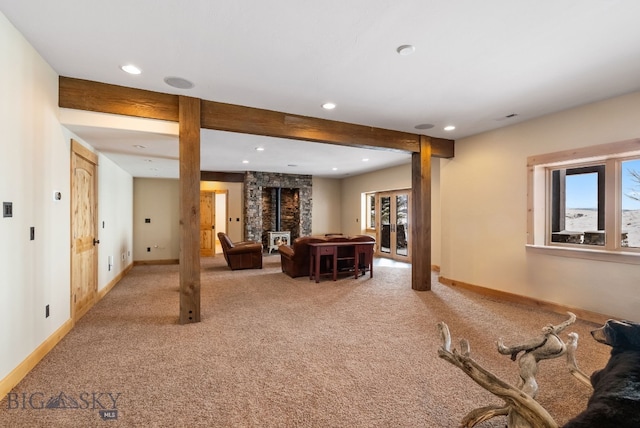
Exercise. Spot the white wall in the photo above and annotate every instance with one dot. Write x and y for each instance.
(156, 199)
(484, 208)
(115, 220)
(326, 212)
(34, 162)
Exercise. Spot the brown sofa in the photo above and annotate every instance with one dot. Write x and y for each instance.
(241, 255)
(295, 257)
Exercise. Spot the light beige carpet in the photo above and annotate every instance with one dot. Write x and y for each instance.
(272, 351)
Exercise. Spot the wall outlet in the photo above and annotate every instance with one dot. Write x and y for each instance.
(32, 233)
(148, 249)
(147, 220)
(46, 311)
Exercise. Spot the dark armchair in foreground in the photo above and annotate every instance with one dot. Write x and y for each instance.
(241, 255)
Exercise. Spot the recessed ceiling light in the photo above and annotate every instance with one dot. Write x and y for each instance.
(424, 126)
(334, 168)
(245, 161)
(405, 50)
(328, 106)
(449, 128)
(139, 146)
(178, 82)
(131, 69)
(259, 149)
(365, 160)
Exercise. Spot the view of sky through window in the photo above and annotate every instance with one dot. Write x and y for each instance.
(581, 203)
(630, 186)
(581, 189)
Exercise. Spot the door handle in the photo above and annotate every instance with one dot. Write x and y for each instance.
(95, 241)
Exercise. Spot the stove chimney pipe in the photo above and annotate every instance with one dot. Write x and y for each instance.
(278, 207)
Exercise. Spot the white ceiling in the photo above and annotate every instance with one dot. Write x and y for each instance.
(475, 63)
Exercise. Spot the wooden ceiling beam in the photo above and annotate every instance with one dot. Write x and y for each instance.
(227, 177)
(249, 120)
(105, 98)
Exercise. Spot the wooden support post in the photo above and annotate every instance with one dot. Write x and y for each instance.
(189, 136)
(421, 216)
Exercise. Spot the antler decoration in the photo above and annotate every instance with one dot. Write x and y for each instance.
(572, 344)
(522, 409)
(546, 346)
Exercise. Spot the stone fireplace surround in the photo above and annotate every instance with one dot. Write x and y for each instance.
(259, 204)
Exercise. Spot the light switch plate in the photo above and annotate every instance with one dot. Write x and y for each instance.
(7, 209)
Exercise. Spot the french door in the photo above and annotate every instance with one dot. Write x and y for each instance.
(393, 210)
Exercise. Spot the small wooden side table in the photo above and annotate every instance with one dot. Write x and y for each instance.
(316, 251)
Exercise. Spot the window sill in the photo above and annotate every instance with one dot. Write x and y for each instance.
(587, 253)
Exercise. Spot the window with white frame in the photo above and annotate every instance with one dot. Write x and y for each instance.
(586, 199)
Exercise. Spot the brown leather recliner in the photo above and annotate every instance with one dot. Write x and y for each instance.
(241, 255)
(295, 257)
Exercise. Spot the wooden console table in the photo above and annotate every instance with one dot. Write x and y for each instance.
(319, 249)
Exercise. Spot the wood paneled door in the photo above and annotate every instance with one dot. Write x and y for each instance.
(84, 230)
(207, 224)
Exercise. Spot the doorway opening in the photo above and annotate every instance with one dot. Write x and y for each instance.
(213, 214)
